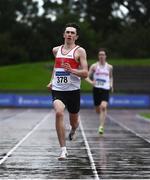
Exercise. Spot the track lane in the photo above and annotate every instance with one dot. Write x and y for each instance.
(118, 154)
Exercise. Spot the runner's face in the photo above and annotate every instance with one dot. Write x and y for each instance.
(70, 34)
(102, 56)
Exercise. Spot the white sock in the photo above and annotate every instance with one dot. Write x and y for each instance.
(63, 148)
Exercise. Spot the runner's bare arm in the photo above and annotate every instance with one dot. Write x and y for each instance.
(83, 71)
(54, 51)
(89, 79)
(49, 85)
(111, 78)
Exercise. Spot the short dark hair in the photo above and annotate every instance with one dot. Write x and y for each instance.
(74, 25)
(103, 49)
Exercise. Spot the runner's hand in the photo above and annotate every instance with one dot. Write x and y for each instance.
(67, 67)
(49, 86)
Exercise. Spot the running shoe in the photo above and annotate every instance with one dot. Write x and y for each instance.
(63, 155)
(101, 130)
(72, 135)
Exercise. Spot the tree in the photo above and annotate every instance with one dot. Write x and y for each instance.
(138, 11)
(19, 34)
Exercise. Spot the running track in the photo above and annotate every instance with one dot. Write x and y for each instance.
(29, 147)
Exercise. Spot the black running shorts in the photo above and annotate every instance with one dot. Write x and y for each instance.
(100, 95)
(71, 99)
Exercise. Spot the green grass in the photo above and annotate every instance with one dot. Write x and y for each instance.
(24, 77)
(35, 76)
(146, 115)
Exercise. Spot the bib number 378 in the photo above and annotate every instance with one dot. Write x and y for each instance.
(62, 80)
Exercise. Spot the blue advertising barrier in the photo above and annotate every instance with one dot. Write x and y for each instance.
(7, 99)
(130, 101)
(44, 101)
(33, 101)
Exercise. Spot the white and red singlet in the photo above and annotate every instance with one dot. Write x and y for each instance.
(101, 76)
(64, 80)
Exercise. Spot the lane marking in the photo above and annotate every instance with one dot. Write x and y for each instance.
(92, 163)
(24, 138)
(128, 129)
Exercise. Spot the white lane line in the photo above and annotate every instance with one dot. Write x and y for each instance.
(23, 139)
(128, 129)
(92, 163)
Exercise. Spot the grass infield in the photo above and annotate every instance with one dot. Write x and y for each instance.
(35, 76)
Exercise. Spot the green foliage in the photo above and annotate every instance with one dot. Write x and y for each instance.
(27, 37)
(132, 42)
(10, 54)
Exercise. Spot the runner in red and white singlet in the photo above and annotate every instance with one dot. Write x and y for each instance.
(70, 65)
(65, 80)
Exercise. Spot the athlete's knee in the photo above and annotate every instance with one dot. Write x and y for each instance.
(103, 108)
(59, 113)
(59, 108)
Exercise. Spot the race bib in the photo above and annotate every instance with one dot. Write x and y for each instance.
(100, 82)
(62, 77)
